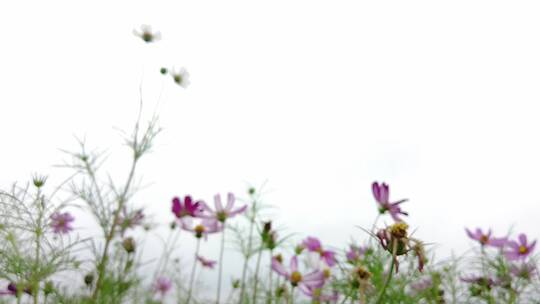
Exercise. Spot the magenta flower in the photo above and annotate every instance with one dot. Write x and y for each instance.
(519, 250)
(222, 214)
(314, 279)
(382, 196)
(354, 253)
(203, 228)
(314, 245)
(187, 208)
(206, 263)
(61, 222)
(162, 285)
(485, 239)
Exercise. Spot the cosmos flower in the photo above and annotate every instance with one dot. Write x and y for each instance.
(422, 284)
(382, 196)
(312, 280)
(485, 239)
(314, 245)
(519, 250)
(162, 285)
(222, 214)
(524, 270)
(61, 222)
(203, 228)
(186, 208)
(206, 263)
(355, 252)
(146, 34)
(12, 290)
(180, 77)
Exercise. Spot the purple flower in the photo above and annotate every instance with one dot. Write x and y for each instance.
(314, 279)
(354, 253)
(162, 285)
(524, 271)
(222, 214)
(486, 238)
(61, 222)
(187, 208)
(382, 196)
(519, 250)
(203, 228)
(314, 245)
(206, 263)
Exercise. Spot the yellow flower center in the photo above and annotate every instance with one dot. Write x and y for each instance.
(199, 229)
(523, 249)
(326, 273)
(399, 230)
(296, 277)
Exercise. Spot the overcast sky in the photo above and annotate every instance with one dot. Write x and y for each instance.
(318, 98)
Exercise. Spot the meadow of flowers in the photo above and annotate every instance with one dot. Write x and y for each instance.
(383, 264)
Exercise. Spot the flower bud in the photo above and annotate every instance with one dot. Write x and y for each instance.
(129, 245)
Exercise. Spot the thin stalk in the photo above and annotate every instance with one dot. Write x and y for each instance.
(256, 283)
(270, 272)
(291, 298)
(391, 272)
(220, 266)
(192, 278)
(38, 245)
(248, 254)
(104, 257)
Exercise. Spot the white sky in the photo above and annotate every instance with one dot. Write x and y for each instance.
(320, 98)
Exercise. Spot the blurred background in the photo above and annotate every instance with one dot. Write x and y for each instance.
(314, 99)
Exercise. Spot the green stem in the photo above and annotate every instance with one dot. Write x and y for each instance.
(220, 265)
(391, 272)
(192, 278)
(270, 293)
(257, 267)
(248, 254)
(38, 246)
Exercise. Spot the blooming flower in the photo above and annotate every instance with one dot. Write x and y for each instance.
(187, 208)
(382, 196)
(314, 245)
(205, 262)
(146, 34)
(222, 214)
(180, 77)
(12, 290)
(354, 253)
(203, 228)
(486, 238)
(61, 222)
(524, 271)
(162, 285)
(519, 250)
(314, 279)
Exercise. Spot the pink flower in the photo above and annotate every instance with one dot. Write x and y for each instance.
(206, 263)
(314, 279)
(162, 285)
(222, 214)
(314, 245)
(519, 250)
(382, 196)
(203, 228)
(61, 222)
(187, 208)
(354, 253)
(485, 238)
